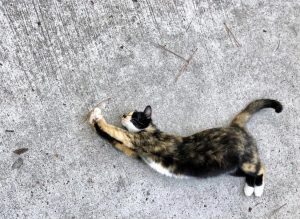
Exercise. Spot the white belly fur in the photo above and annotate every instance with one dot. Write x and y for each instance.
(161, 169)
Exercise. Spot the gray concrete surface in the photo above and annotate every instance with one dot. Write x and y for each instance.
(59, 58)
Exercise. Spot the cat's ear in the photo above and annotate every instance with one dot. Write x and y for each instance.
(148, 112)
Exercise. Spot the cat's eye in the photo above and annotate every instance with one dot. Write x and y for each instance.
(124, 116)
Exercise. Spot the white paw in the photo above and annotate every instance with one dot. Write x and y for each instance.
(259, 190)
(95, 115)
(248, 190)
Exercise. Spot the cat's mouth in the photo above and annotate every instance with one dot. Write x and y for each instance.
(123, 123)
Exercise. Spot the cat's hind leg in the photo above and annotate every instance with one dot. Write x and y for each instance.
(260, 182)
(249, 185)
(254, 178)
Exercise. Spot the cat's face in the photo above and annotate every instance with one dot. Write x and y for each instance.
(137, 121)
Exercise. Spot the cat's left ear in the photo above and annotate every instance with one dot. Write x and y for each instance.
(148, 112)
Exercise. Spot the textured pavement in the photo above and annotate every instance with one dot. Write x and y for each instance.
(197, 63)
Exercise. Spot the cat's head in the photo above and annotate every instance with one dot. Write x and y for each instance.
(137, 121)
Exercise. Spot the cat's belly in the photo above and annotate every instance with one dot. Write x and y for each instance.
(158, 167)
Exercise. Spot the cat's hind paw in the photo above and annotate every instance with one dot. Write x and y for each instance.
(258, 190)
(95, 115)
(248, 190)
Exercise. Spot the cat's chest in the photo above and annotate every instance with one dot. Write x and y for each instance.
(158, 167)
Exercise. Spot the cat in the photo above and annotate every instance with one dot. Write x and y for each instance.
(211, 152)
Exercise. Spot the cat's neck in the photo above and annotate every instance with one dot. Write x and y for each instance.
(151, 128)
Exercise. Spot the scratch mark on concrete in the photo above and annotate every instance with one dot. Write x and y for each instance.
(184, 67)
(175, 54)
(153, 16)
(15, 30)
(188, 27)
(231, 35)
(277, 46)
(43, 21)
(276, 210)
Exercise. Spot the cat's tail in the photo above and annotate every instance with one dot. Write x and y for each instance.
(243, 117)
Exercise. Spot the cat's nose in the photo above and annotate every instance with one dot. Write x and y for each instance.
(124, 116)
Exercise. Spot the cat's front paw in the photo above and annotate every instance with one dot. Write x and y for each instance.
(95, 116)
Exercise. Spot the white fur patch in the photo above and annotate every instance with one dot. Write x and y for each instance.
(248, 190)
(259, 190)
(95, 115)
(130, 127)
(161, 169)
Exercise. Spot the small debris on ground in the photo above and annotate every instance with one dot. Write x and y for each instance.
(20, 151)
(17, 164)
(7, 130)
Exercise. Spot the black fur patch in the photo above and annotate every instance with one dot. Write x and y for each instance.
(238, 173)
(259, 180)
(250, 180)
(140, 120)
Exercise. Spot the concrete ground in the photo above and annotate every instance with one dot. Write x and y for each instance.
(197, 63)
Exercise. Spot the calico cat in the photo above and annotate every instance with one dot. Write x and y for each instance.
(211, 152)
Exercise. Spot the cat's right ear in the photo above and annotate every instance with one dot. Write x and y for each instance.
(148, 112)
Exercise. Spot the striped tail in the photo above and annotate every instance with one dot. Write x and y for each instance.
(243, 117)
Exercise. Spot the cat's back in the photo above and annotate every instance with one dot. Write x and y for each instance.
(221, 135)
(216, 141)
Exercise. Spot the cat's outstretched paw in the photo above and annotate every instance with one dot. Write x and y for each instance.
(95, 116)
(248, 190)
